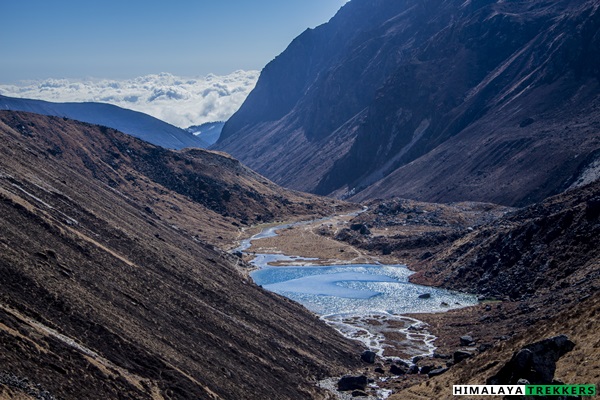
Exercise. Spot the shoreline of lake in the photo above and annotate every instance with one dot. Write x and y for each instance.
(383, 328)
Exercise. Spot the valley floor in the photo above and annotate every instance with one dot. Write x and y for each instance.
(408, 232)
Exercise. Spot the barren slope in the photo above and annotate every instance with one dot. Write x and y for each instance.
(109, 288)
(538, 268)
(580, 323)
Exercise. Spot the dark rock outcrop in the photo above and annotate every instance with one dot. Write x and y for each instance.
(348, 383)
(535, 363)
(368, 356)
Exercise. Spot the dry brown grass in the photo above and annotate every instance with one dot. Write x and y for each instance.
(306, 241)
(580, 366)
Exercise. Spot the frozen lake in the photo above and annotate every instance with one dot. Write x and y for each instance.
(357, 288)
(366, 302)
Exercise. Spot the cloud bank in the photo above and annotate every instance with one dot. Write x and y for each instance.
(179, 101)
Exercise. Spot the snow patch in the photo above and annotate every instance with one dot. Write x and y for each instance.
(590, 174)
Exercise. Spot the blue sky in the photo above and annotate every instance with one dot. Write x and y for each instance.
(121, 39)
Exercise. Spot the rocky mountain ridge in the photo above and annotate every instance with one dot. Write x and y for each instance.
(547, 248)
(514, 254)
(435, 101)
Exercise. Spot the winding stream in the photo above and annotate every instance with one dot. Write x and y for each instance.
(365, 302)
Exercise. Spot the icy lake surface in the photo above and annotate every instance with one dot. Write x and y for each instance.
(366, 302)
(357, 288)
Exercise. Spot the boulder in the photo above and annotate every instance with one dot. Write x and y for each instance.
(460, 355)
(398, 370)
(414, 369)
(348, 382)
(368, 356)
(425, 369)
(361, 228)
(436, 372)
(466, 340)
(484, 347)
(425, 296)
(535, 362)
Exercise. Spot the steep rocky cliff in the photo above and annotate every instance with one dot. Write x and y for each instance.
(431, 100)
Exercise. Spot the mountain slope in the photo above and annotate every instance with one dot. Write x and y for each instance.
(538, 267)
(545, 249)
(111, 289)
(209, 132)
(133, 123)
(436, 101)
(545, 258)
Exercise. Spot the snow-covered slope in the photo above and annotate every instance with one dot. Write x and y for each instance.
(133, 123)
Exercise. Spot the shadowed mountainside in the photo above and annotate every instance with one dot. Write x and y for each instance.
(545, 249)
(209, 132)
(544, 261)
(430, 100)
(110, 289)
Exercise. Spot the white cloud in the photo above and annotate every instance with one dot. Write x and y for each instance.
(179, 101)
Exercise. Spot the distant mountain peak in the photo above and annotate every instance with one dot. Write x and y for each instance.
(133, 123)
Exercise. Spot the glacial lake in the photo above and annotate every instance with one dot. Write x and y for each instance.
(366, 302)
(357, 288)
